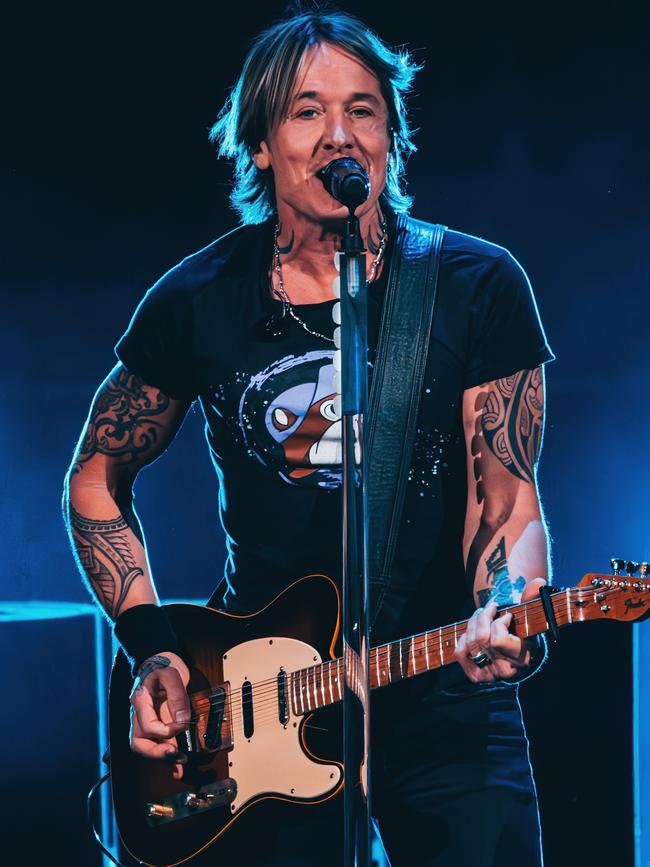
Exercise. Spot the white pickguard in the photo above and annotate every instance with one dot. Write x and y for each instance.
(272, 761)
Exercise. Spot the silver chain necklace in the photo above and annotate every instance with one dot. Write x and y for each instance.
(280, 292)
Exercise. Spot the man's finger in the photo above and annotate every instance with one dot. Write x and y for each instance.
(165, 752)
(166, 749)
(484, 619)
(470, 633)
(178, 701)
(505, 644)
(148, 720)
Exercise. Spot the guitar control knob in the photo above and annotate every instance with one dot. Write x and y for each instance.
(160, 811)
(596, 582)
(196, 802)
(638, 585)
(617, 565)
(631, 567)
(623, 585)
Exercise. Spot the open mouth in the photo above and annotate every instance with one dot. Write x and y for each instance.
(319, 171)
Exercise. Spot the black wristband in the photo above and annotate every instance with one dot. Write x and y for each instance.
(144, 631)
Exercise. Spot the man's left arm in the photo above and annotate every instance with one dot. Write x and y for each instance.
(505, 543)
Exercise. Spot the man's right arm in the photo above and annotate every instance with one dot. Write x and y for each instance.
(129, 425)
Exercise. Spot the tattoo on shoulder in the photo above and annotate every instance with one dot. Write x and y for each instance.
(501, 588)
(123, 421)
(105, 555)
(512, 421)
(152, 664)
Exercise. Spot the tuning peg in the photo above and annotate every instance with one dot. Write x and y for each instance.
(617, 565)
(631, 567)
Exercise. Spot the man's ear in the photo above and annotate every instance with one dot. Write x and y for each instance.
(262, 157)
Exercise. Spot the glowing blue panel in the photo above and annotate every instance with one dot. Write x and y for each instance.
(29, 610)
(641, 654)
(43, 610)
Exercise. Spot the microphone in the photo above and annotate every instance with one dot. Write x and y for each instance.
(346, 181)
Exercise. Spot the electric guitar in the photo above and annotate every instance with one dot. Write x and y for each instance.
(258, 689)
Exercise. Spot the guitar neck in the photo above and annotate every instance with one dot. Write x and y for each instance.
(322, 684)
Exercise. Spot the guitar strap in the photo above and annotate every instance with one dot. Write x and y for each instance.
(397, 381)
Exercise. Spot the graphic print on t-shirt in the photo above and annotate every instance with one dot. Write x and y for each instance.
(290, 417)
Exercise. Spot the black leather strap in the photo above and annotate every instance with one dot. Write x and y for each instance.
(402, 345)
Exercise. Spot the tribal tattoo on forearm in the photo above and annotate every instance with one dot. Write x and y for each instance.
(105, 554)
(512, 421)
(123, 420)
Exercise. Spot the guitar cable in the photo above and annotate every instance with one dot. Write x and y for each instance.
(91, 825)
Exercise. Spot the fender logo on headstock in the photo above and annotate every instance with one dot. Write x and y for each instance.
(629, 604)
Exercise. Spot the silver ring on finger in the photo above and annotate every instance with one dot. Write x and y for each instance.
(480, 659)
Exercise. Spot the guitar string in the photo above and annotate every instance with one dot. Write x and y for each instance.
(265, 711)
(266, 690)
(313, 688)
(535, 609)
(266, 700)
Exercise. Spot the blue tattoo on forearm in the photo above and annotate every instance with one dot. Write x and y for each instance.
(502, 588)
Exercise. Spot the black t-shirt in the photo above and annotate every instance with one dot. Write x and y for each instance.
(272, 424)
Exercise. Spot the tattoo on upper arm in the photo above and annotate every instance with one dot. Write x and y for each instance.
(501, 588)
(512, 421)
(123, 421)
(106, 557)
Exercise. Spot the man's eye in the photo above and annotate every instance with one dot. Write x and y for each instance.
(307, 113)
(360, 112)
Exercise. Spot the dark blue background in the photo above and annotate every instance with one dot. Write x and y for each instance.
(533, 133)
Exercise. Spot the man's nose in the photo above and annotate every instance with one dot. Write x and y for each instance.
(337, 134)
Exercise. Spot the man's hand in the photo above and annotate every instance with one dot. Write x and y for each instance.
(487, 634)
(160, 709)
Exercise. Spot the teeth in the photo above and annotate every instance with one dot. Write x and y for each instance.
(337, 382)
(337, 338)
(336, 313)
(336, 287)
(337, 360)
(337, 261)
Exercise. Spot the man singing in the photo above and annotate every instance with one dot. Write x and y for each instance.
(245, 327)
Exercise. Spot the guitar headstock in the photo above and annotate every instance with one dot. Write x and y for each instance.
(622, 595)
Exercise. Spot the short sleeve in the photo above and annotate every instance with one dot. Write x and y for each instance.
(506, 333)
(157, 345)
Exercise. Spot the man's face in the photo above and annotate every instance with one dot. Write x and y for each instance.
(336, 110)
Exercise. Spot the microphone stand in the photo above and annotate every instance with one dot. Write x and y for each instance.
(352, 364)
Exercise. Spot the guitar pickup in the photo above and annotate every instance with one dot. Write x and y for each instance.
(283, 699)
(212, 736)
